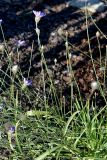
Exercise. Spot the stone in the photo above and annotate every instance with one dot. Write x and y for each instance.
(92, 5)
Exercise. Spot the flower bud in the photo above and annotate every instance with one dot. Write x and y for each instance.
(97, 34)
(70, 55)
(42, 48)
(66, 44)
(66, 33)
(55, 61)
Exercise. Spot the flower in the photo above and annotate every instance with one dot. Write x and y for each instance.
(27, 82)
(38, 15)
(20, 43)
(12, 129)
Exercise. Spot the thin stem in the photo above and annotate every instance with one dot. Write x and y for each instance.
(38, 35)
(99, 47)
(105, 70)
(30, 59)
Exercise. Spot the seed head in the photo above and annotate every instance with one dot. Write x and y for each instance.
(14, 69)
(94, 85)
(60, 31)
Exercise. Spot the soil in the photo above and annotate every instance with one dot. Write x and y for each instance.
(60, 20)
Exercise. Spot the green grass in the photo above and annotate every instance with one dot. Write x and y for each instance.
(46, 130)
(47, 134)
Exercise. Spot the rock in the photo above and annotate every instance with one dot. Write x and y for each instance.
(92, 5)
